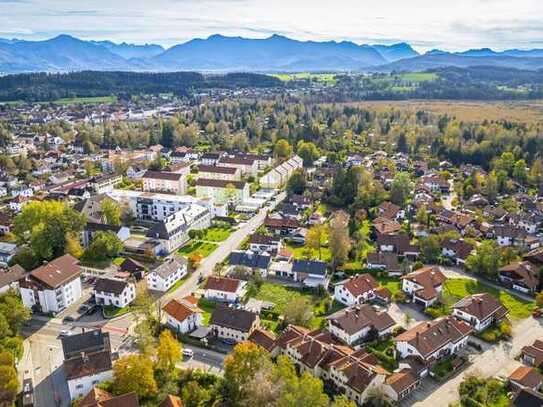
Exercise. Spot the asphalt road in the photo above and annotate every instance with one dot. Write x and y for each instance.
(43, 358)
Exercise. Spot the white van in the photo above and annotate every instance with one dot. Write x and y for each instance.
(188, 353)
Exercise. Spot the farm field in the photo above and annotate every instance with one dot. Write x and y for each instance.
(326, 78)
(86, 100)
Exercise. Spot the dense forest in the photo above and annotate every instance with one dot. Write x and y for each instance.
(49, 87)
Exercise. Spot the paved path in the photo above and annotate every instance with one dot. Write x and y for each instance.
(497, 360)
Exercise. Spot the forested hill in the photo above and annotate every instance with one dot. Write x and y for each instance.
(47, 87)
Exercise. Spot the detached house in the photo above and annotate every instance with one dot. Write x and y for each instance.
(353, 325)
(457, 250)
(384, 261)
(183, 315)
(233, 325)
(424, 285)
(479, 310)
(224, 289)
(167, 274)
(262, 243)
(398, 244)
(311, 273)
(356, 290)
(522, 276)
(433, 340)
(114, 292)
(254, 262)
(526, 377)
(532, 355)
(52, 287)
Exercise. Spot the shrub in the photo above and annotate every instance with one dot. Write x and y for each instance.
(399, 296)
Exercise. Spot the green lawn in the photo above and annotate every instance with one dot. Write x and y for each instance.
(178, 284)
(419, 76)
(281, 296)
(208, 307)
(457, 288)
(301, 252)
(204, 249)
(118, 261)
(111, 312)
(326, 78)
(86, 100)
(216, 234)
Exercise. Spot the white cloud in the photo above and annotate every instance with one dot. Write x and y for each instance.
(451, 25)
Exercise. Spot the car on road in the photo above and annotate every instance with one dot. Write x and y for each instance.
(189, 353)
(28, 393)
(65, 332)
(70, 318)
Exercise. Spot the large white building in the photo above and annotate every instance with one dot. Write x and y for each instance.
(278, 177)
(160, 181)
(52, 287)
(167, 274)
(222, 191)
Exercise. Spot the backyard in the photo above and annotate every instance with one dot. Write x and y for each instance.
(216, 234)
(457, 288)
(281, 296)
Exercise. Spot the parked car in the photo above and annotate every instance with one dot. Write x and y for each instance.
(65, 332)
(188, 353)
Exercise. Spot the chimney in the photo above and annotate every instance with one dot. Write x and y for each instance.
(84, 357)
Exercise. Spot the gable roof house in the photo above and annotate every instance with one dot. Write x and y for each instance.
(526, 377)
(88, 361)
(521, 276)
(233, 325)
(457, 250)
(254, 262)
(261, 243)
(114, 292)
(433, 340)
(164, 277)
(183, 315)
(532, 355)
(479, 310)
(355, 324)
(224, 289)
(398, 244)
(311, 273)
(100, 398)
(384, 261)
(424, 285)
(356, 290)
(52, 287)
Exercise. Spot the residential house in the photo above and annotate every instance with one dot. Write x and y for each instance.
(311, 273)
(210, 158)
(183, 316)
(527, 397)
(222, 191)
(264, 244)
(390, 211)
(384, 226)
(88, 361)
(224, 289)
(233, 325)
(279, 175)
(100, 398)
(356, 290)
(521, 275)
(263, 338)
(133, 267)
(105, 183)
(247, 166)
(53, 286)
(281, 227)
(479, 310)
(532, 355)
(6, 222)
(171, 401)
(424, 285)
(9, 278)
(254, 262)
(433, 340)
(164, 277)
(384, 261)
(91, 228)
(526, 377)
(114, 292)
(457, 250)
(220, 173)
(165, 182)
(400, 384)
(7, 251)
(358, 323)
(398, 244)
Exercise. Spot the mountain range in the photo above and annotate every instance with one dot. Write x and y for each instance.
(277, 53)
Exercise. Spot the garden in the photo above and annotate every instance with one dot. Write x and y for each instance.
(202, 249)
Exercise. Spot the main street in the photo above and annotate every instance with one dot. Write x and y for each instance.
(43, 361)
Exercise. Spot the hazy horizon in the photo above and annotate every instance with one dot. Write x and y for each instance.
(425, 24)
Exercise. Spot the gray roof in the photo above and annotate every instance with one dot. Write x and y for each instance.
(85, 342)
(309, 267)
(237, 319)
(169, 267)
(249, 259)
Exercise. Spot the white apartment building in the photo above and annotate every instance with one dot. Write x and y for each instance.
(114, 292)
(52, 287)
(167, 274)
(160, 181)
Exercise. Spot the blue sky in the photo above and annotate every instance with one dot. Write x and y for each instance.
(426, 24)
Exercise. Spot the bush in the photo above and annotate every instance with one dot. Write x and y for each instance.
(399, 296)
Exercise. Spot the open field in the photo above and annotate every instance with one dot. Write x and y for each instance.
(457, 288)
(418, 76)
(86, 101)
(467, 110)
(327, 78)
(216, 234)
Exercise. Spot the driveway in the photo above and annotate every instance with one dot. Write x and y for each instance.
(398, 313)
